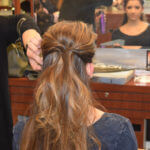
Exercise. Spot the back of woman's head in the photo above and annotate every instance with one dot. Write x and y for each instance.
(62, 97)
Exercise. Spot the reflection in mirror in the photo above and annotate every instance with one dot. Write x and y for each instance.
(135, 36)
(45, 14)
(25, 6)
(80, 10)
(112, 19)
(6, 7)
(5, 3)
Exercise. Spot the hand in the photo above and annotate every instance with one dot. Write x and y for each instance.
(131, 47)
(32, 39)
(56, 16)
(116, 45)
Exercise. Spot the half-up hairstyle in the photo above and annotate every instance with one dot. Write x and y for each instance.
(62, 98)
(125, 18)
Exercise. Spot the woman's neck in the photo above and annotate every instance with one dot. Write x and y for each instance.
(134, 23)
(133, 28)
(94, 115)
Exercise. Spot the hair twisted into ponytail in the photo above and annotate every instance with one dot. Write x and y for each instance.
(62, 97)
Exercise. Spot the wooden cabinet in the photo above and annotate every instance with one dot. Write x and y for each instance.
(129, 100)
(21, 94)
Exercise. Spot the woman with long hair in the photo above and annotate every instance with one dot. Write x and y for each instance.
(135, 30)
(64, 115)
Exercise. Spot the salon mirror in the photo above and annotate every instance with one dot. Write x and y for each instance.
(6, 7)
(113, 18)
(9, 7)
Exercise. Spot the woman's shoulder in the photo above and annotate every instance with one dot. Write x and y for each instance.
(117, 34)
(116, 131)
(21, 121)
(17, 131)
(113, 119)
(148, 27)
(113, 124)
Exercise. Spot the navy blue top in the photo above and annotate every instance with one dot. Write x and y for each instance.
(115, 132)
(142, 39)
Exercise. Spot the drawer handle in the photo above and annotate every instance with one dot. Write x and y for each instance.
(106, 94)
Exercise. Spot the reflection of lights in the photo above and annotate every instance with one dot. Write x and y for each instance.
(142, 79)
(13, 8)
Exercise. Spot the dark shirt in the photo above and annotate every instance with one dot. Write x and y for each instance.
(8, 34)
(142, 39)
(81, 10)
(44, 20)
(115, 132)
(49, 6)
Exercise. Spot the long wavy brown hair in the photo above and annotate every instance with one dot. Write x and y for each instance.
(62, 97)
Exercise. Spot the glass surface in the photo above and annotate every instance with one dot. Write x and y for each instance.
(6, 7)
(119, 58)
(5, 2)
(113, 17)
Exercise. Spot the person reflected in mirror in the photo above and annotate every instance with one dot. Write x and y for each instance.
(80, 10)
(118, 4)
(65, 115)
(134, 30)
(45, 14)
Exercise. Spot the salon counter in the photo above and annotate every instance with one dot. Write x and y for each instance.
(130, 100)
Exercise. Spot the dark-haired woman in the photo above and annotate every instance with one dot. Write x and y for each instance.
(64, 113)
(135, 31)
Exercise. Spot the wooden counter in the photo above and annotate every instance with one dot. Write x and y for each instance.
(130, 100)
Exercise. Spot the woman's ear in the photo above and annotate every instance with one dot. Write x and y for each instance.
(90, 69)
